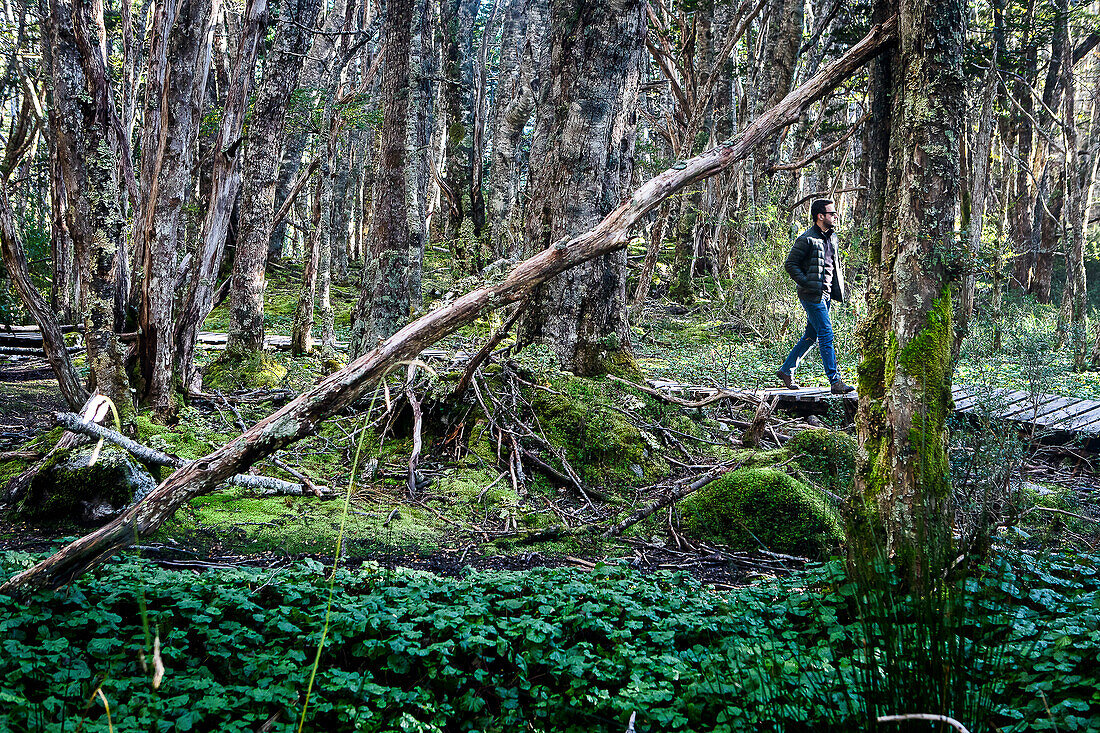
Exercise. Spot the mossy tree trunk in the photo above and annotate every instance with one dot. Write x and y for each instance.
(905, 371)
(581, 168)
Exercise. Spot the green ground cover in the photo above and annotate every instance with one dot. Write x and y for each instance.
(544, 650)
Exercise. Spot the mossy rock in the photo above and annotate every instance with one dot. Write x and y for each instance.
(260, 370)
(67, 488)
(761, 507)
(827, 456)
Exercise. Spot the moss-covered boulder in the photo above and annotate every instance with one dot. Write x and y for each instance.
(761, 507)
(72, 487)
(260, 370)
(828, 458)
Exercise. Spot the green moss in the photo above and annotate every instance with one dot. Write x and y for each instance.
(301, 525)
(602, 445)
(192, 437)
(258, 370)
(762, 507)
(926, 358)
(827, 456)
(473, 492)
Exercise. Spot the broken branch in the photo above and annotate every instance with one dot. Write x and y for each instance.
(302, 416)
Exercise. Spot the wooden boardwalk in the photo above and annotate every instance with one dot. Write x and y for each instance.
(1048, 413)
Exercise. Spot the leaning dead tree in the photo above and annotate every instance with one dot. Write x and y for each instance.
(302, 416)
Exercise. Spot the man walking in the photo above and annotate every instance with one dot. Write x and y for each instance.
(814, 264)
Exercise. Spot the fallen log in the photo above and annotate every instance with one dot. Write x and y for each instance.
(302, 416)
(268, 485)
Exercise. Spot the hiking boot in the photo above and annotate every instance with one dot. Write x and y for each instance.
(786, 379)
(840, 387)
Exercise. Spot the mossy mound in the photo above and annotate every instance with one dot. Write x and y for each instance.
(827, 456)
(238, 521)
(762, 507)
(69, 489)
(260, 370)
(603, 445)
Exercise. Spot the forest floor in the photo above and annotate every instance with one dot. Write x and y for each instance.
(591, 452)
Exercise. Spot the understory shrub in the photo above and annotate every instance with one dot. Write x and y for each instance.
(755, 508)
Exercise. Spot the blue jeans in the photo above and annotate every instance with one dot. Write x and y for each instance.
(819, 329)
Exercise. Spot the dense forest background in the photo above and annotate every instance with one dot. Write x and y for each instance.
(506, 278)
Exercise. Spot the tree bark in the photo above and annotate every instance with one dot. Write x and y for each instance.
(1020, 228)
(775, 75)
(1074, 310)
(978, 187)
(521, 43)
(301, 333)
(301, 416)
(266, 132)
(457, 21)
(226, 185)
(175, 97)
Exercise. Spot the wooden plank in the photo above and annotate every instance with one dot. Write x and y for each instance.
(1057, 419)
(966, 403)
(1010, 402)
(1090, 426)
(1082, 418)
(1028, 410)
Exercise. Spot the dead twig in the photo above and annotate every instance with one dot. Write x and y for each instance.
(672, 498)
(721, 394)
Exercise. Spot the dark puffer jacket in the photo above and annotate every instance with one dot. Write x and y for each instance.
(806, 265)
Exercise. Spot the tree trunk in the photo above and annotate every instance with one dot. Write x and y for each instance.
(584, 162)
(175, 95)
(521, 42)
(65, 288)
(266, 132)
(978, 187)
(421, 120)
(89, 149)
(457, 21)
(1054, 181)
(302, 416)
(1021, 222)
(775, 74)
(226, 185)
(1075, 297)
(384, 298)
(301, 332)
(905, 371)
